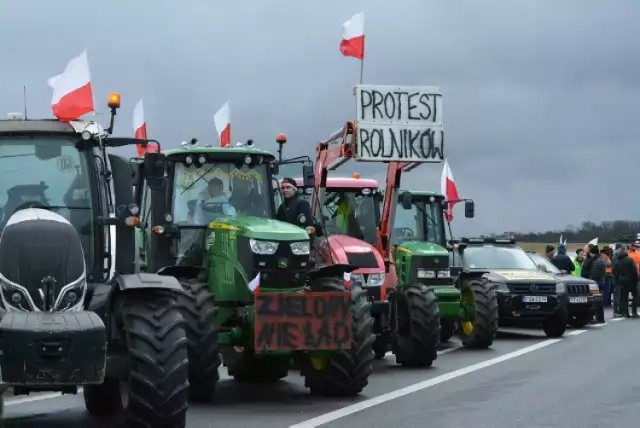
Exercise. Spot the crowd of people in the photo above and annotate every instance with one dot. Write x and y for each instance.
(616, 271)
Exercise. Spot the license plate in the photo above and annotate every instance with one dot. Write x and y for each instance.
(578, 299)
(534, 299)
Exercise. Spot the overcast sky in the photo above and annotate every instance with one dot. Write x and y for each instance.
(541, 98)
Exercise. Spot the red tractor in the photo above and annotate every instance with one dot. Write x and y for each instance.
(406, 314)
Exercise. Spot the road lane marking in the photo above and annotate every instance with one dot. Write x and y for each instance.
(576, 332)
(598, 325)
(616, 319)
(375, 401)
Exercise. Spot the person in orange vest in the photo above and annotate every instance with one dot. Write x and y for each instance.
(606, 254)
(635, 256)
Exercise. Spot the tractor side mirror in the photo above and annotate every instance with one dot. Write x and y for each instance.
(135, 170)
(469, 209)
(405, 200)
(154, 165)
(308, 176)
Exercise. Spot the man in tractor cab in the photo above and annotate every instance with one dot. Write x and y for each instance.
(293, 210)
(212, 201)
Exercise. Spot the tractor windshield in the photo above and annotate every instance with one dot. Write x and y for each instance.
(203, 194)
(351, 212)
(49, 173)
(422, 222)
(497, 257)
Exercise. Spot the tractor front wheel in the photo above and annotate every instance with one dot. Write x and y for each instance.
(416, 320)
(344, 372)
(198, 310)
(155, 390)
(479, 329)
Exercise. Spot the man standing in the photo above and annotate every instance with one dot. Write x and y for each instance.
(635, 256)
(561, 260)
(577, 263)
(615, 287)
(598, 268)
(626, 276)
(605, 254)
(293, 210)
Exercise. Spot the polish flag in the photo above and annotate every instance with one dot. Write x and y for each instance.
(347, 280)
(449, 190)
(223, 125)
(254, 284)
(139, 126)
(352, 43)
(72, 93)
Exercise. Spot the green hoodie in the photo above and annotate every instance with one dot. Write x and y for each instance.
(578, 270)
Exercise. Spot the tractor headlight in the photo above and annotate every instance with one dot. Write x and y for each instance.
(357, 277)
(444, 274)
(300, 248)
(71, 297)
(15, 297)
(560, 288)
(263, 247)
(376, 279)
(426, 274)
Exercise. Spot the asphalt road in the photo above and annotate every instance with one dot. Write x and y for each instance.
(585, 379)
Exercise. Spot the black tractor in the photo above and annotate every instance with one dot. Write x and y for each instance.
(75, 310)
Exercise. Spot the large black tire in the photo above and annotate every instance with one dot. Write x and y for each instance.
(556, 324)
(346, 372)
(415, 325)
(579, 320)
(199, 311)
(485, 319)
(158, 379)
(448, 327)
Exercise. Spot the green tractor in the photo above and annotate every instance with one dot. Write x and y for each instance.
(466, 303)
(251, 292)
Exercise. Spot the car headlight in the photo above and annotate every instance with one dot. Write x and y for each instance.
(71, 297)
(444, 274)
(300, 248)
(594, 289)
(15, 297)
(560, 288)
(357, 277)
(263, 247)
(426, 274)
(376, 279)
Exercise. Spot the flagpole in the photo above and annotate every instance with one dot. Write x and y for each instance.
(361, 69)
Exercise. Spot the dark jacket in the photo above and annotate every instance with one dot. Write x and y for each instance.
(563, 262)
(292, 210)
(598, 270)
(586, 265)
(625, 271)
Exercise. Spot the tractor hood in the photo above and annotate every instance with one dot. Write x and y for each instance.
(419, 248)
(346, 249)
(261, 228)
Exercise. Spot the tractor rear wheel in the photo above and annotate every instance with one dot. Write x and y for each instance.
(416, 326)
(344, 372)
(198, 310)
(479, 295)
(155, 390)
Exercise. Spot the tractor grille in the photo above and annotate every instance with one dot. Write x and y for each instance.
(430, 263)
(578, 289)
(282, 269)
(362, 260)
(533, 288)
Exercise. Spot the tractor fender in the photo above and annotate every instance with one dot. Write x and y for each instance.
(140, 281)
(186, 271)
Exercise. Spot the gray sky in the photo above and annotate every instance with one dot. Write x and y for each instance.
(541, 98)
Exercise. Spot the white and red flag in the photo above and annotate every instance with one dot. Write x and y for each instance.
(139, 126)
(254, 284)
(352, 43)
(72, 93)
(449, 190)
(347, 280)
(223, 124)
